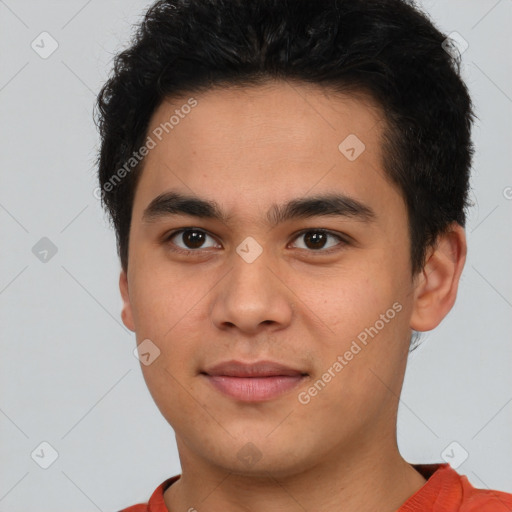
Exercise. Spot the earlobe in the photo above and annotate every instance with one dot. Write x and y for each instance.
(126, 312)
(436, 287)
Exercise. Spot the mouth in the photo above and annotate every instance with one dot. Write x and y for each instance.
(253, 382)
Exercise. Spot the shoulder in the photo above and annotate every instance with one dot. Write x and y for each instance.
(446, 490)
(141, 507)
(156, 502)
(483, 500)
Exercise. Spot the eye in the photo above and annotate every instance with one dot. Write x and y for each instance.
(315, 240)
(192, 238)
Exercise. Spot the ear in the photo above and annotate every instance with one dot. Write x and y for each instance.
(436, 285)
(126, 312)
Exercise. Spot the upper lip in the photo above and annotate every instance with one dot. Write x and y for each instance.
(256, 369)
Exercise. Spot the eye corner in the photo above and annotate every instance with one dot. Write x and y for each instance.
(343, 241)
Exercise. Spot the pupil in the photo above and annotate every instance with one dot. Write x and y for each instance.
(193, 239)
(317, 239)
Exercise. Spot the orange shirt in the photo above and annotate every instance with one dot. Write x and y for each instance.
(444, 491)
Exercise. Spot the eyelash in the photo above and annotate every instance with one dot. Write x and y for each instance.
(343, 242)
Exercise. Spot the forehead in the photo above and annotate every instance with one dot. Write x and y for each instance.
(302, 115)
(261, 145)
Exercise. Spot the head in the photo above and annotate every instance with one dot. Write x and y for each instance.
(259, 124)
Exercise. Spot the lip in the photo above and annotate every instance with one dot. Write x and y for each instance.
(253, 382)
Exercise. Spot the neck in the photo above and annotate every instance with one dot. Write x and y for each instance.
(362, 481)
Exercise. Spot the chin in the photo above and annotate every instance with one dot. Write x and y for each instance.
(258, 456)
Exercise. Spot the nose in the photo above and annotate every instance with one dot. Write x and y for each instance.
(253, 295)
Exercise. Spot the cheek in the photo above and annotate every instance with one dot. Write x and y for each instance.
(169, 309)
(364, 321)
(347, 302)
(159, 301)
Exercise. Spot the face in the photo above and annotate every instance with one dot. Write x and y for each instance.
(323, 287)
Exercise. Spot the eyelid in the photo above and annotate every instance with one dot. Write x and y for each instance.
(343, 239)
(167, 237)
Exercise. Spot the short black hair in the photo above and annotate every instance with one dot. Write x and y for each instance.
(389, 50)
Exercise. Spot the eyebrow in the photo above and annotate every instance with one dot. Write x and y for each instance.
(339, 205)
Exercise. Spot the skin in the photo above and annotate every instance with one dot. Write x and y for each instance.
(247, 149)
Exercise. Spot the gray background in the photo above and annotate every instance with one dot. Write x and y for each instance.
(68, 375)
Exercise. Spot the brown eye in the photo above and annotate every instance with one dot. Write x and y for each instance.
(316, 240)
(192, 239)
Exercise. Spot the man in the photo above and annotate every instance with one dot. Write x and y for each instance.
(288, 182)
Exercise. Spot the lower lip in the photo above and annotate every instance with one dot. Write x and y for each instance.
(254, 389)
